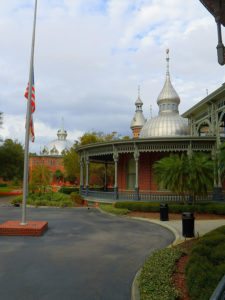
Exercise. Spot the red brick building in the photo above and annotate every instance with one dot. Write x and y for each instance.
(52, 156)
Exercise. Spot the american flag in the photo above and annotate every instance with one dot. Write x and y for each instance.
(26, 94)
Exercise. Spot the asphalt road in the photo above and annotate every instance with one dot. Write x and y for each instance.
(84, 255)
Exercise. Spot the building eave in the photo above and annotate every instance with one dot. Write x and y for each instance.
(211, 98)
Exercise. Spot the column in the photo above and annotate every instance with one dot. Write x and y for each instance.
(105, 179)
(116, 158)
(136, 158)
(81, 175)
(87, 175)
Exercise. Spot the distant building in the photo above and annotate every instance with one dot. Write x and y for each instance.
(201, 128)
(52, 154)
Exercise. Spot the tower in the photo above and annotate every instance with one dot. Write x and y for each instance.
(138, 120)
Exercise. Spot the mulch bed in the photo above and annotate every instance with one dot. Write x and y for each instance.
(172, 216)
(178, 278)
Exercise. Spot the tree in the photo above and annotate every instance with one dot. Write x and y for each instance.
(71, 164)
(201, 175)
(58, 175)
(171, 173)
(11, 160)
(185, 175)
(40, 178)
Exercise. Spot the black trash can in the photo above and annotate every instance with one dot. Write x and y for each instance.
(188, 222)
(164, 212)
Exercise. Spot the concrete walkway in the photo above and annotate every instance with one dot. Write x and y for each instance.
(201, 226)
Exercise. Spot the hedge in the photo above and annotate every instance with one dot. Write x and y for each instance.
(206, 265)
(68, 190)
(216, 208)
(155, 281)
(46, 199)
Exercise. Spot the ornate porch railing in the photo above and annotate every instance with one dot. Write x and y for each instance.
(141, 196)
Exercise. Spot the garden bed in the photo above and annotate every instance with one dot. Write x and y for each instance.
(173, 216)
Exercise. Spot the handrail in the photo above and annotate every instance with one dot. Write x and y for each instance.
(219, 292)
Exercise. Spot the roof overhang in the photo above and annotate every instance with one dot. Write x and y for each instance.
(203, 104)
(216, 8)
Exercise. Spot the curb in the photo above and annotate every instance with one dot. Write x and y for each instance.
(135, 294)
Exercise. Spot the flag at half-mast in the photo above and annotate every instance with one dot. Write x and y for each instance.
(32, 105)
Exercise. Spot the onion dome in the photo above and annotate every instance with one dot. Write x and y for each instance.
(138, 120)
(168, 122)
(58, 146)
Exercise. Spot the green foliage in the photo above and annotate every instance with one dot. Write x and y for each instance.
(183, 174)
(3, 185)
(138, 206)
(11, 160)
(47, 199)
(40, 179)
(155, 279)
(206, 265)
(71, 164)
(68, 190)
(215, 208)
(76, 198)
(110, 208)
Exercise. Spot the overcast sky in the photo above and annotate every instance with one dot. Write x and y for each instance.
(90, 57)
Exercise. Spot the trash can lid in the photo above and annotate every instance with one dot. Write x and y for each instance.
(188, 214)
(163, 204)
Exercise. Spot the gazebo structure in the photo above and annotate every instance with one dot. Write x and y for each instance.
(200, 129)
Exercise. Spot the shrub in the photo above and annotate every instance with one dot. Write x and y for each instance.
(68, 190)
(206, 265)
(155, 279)
(47, 199)
(216, 208)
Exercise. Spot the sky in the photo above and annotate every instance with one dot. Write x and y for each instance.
(91, 56)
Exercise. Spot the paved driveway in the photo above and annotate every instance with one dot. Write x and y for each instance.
(85, 255)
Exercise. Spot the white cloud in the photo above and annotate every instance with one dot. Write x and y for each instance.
(90, 56)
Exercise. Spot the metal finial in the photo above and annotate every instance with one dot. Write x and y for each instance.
(62, 123)
(139, 91)
(167, 61)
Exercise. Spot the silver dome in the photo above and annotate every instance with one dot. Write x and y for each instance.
(165, 126)
(58, 146)
(168, 122)
(138, 119)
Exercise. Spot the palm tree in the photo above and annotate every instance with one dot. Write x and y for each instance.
(171, 173)
(201, 175)
(185, 175)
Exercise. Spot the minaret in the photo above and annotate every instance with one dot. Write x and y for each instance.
(62, 133)
(168, 99)
(138, 120)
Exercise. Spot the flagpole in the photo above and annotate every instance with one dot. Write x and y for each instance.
(28, 117)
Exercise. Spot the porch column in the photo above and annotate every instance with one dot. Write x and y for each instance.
(116, 158)
(87, 174)
(105, 179)
(81, 175)
(136, 158)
